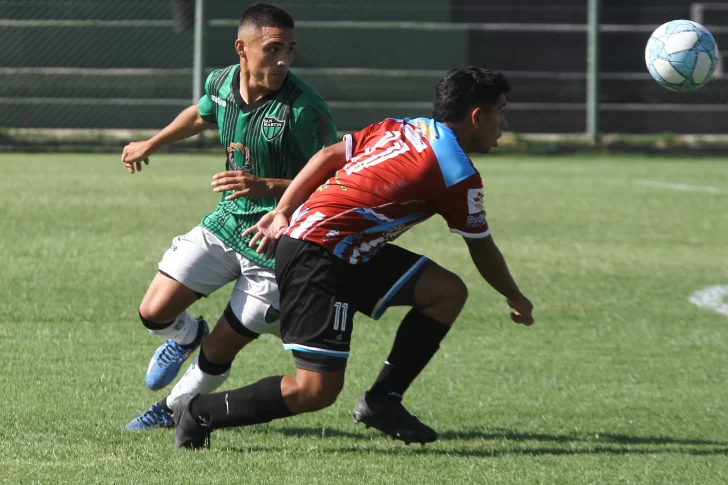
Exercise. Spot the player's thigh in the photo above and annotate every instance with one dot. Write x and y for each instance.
(195, 265)
(317, 308)
(389, 279)
(165, 299)
(254, 301)
(398, 277)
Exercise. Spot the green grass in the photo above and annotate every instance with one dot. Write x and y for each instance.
(621, 380)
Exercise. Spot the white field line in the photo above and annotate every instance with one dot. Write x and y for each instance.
(711, 298)
(706, 189)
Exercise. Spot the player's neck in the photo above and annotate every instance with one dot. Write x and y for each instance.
(460, 134)
(250, 90)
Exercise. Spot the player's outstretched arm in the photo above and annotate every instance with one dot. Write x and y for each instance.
(244, 184)
(271, 226)
(188, 123)
(317, 171)
(493, 268)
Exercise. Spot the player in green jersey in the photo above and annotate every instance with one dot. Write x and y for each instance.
(270, 122)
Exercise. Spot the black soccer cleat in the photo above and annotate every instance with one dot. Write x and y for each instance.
(191, 433)
(389, 416)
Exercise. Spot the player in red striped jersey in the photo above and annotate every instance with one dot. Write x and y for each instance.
(399, 173)
(334, 257)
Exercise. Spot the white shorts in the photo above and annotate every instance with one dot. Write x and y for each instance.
(203, 263)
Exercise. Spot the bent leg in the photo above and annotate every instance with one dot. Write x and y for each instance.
(436, 296)
(212, 368)
(164, 310)
(268, 399)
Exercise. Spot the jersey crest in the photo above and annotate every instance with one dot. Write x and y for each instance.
(272, 127)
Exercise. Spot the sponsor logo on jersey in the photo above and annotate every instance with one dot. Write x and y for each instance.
(414, 138)
(272, 127)
(247, 164)
(475, 201)
(219, 101)
(428, 131)
(476, 221)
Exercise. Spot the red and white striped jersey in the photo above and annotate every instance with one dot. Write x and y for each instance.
(398, 174)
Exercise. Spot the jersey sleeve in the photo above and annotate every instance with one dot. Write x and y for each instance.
(206, 108)
(463, 209)
(355, 140)
(312, 131)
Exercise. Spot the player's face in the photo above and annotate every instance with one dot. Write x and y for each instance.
(491, 123)
(269, 53)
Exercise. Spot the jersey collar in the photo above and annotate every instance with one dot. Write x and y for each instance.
(245, 107)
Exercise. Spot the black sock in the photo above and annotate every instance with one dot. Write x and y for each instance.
(417, 340)
(211, 368)
(163, 404)
(198, 338)
(254, 404)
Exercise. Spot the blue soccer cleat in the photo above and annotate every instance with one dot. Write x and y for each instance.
(168, 359)
(154, 417)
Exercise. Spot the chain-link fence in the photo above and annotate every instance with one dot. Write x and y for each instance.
(92, 64)
(108, 64)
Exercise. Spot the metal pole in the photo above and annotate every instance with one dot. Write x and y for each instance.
(592, 86)
(198, 62)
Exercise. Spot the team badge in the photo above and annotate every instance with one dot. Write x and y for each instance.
(272, 127)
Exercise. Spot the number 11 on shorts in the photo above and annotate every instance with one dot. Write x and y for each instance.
(340, 315)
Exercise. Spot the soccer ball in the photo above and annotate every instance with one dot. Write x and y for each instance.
(681, 55)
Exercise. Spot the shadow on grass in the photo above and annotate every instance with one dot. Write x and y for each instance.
(582, 444)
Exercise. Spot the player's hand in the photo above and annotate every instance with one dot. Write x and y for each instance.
(523, 310)
(270, 229)
(244, 184)
(134, 154)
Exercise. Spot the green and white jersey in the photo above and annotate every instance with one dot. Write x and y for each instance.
(270, 138)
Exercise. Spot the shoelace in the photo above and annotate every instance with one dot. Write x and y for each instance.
(154, 416)
(172, 352)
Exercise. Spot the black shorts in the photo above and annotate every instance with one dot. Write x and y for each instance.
(320, 294)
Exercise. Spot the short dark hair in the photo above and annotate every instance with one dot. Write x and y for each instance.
(265, 15)
(465, 86)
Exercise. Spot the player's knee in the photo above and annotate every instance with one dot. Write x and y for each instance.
(314, 396)
(323, 400)
(441, 295)
(455, 292)
(149, 315)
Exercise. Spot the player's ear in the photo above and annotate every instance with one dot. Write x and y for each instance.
(240, 47)
(475, 116)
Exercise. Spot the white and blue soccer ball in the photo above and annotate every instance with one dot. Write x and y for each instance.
(681, 55)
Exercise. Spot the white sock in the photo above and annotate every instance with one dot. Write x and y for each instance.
(183, 330)
(194, 381)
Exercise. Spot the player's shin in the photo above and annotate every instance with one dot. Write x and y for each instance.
(201, 377)
(254, 404)
(416, 342)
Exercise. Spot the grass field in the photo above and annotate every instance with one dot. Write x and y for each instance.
(622, 379)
